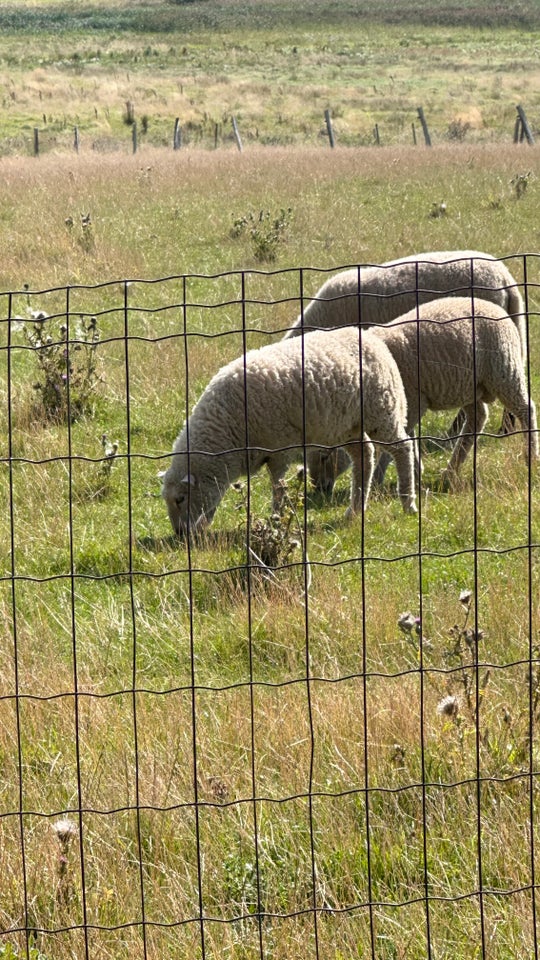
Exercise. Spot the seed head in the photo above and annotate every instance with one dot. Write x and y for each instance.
(448, 706)
(407, 622)
(465, 597)
(65, 830)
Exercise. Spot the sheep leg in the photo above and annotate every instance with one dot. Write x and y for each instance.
(382, 466)
(277, 467)
(522, 407)
(386, 456)
(363, 463)
(508, 425)
(405, 455)
(456, 427)
(527, 419)
(476, 415)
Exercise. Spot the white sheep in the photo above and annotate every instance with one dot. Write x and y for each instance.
(376, 295)
(458, 352)
(373, 295)
(266, 406)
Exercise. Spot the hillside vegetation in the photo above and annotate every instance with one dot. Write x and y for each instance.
(276, 67)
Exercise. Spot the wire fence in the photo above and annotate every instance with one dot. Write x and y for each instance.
(281, 733)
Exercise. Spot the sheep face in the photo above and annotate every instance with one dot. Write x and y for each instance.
(190, 503)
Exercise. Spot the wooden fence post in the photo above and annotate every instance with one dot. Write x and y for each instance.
(36, 142)
(525, 125)
(177, 137)
(376, 134)
(328, 119)
(76, 139)
(422, 119)
(413, 133)
(216, 135)
(134, 136)
(237, 134)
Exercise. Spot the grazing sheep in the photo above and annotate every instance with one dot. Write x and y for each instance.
(458, 352)
(376, 295)
(279, 398)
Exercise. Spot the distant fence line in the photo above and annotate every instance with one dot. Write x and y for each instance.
(522, 131)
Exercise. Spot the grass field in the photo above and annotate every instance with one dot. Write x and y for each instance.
(276, 67)
(221, 746)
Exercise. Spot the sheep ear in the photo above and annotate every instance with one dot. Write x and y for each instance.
(189, 478)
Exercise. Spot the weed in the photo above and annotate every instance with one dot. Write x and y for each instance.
(67, 367)
(65, 832)
(273, 540)
(458, 130)
(129, 114)
(241, 887)
(507, 743)
(520, 182)
(266, 231)
(464, 653)
(85, 238)
(98, 485)
(110, 453)
(438, 210)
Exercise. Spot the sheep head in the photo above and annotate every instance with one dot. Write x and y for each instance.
(191, 497)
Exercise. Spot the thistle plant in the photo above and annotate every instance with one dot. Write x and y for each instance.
(110, 453)
(85, 236)
(461, 656)
(505, 732)
(65, 832)
(266, 231)
(96, 484)
(67, 364)
(274, 539)
(464, 654)
(520, 182)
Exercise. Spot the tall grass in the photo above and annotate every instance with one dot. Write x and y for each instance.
(216, 741)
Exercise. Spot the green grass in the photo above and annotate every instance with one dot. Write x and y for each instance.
(115, 634)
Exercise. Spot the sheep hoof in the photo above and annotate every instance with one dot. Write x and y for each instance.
(410, 507)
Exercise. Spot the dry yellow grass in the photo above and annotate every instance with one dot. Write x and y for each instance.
(160, 644)
(158, 213)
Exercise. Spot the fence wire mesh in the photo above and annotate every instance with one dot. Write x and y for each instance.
(287, 733)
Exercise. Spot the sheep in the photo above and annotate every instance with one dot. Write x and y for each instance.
(276, 400)
(458, 352)
(376, 295)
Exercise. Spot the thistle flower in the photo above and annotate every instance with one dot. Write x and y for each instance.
(448, 706)
(407, 622)
(465, 597)
(65, 830)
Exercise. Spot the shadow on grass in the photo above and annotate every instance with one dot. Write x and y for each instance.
(205, 540)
